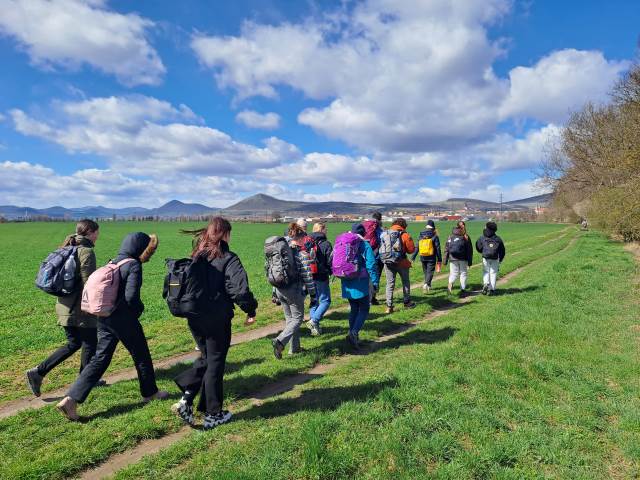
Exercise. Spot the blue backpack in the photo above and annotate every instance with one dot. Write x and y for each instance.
(57, 274)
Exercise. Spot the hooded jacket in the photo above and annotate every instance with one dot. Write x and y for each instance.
(68, 308)
(407, 244)
(323, 258)
(467, 245)
(227, 276)
(437, 256)
(130, 305)
(488, 234)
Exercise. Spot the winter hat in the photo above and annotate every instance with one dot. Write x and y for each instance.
(431, 225)
(358, 229)
(492, 226)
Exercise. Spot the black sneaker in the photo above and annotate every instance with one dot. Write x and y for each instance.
(463, 293)
(101, 383)
(409, 305)
(277, 348)
(217, 419)
(34, 380)
(374, 301)
(485, 290)
(184, 411)
(352, 338)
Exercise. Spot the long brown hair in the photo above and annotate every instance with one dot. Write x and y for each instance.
(207, 241)
(295, 231)
(84, 227)
(463, 226)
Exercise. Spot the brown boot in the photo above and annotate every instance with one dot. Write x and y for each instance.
(68, 408)
(389, 310)
(159, 395)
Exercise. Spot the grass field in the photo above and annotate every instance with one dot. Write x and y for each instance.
(540, 382)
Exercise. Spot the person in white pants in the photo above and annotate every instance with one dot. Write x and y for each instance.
(458, 268)
(458, 251)
(491, 247)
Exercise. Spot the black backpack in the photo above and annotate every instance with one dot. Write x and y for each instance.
(457, 247)
(280, 266)
(186, 288)
(490, 247)
(57, 274)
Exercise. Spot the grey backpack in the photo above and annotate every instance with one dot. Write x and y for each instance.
(280, 266)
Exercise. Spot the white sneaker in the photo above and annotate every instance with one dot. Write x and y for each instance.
(212, 421)
(426, 288)
(315, 328)
(184, 411)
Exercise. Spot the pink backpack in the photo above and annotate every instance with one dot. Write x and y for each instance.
(100, 293)
(345, 256)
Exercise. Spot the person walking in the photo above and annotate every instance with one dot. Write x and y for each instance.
(395, 245)
(324, 252)
(430, 253)
(373, 234)
(459, 254)
(355, 288)
(80, 328)
(292, 296)
(491, 247)
(122, 325)
(226, 284)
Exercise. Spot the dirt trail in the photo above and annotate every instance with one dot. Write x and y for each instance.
(13, 407)
(147, 447)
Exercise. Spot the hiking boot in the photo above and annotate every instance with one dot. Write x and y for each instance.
(184, 411)
(485, 290)
(34, 380)
(426, 288)
(353, 340)
(315, 328)
(277, 348)
(409, 305)
(217, 419)
(159, 395)
(491, 293)
(463, 293)
(101, 383)
(389, 310)
(68, 408)
(374, 301)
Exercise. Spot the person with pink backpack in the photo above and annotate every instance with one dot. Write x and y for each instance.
(112, 293)
(355, 264)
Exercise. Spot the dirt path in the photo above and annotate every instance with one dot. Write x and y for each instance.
(148, 447)
(13, 407)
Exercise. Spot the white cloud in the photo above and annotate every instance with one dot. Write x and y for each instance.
(265, 121)
(149, 137)
(72, 33)
(559, 83)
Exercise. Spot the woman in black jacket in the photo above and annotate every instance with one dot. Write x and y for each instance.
(227, 284)
(121, 326)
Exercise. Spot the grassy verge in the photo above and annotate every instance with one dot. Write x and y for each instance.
(114, 419)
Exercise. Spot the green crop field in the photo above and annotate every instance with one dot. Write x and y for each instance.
(539, 382)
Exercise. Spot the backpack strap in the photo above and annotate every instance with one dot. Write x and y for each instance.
(126, 260)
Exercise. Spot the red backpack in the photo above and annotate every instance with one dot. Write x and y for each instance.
(310, 246)
(371, 233)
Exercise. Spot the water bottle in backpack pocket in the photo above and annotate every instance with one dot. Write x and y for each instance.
(280, 266)
(58, 273)
(186, 288)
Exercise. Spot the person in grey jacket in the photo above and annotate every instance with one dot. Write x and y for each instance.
(122, 325)
(79, 327)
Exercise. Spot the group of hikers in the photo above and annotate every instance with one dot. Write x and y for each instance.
(99, 307)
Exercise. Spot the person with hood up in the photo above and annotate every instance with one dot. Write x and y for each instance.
(459, 253)
(356, 290)
(430, 253)
(321, 278)
(491, 247)
(122, 325)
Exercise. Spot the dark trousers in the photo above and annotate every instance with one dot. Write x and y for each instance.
(358, 313)
(206, 375)
(77, 338)
(428, 268)
(110, 332)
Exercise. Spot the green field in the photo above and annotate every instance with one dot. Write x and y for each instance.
(539, 382)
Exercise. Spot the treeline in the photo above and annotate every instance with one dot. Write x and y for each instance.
(594, 167)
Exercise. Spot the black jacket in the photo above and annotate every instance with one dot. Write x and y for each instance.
(227, 276)
(130, 305)
(491, 235)
(467, 246)
(437, 256)
(324, 256)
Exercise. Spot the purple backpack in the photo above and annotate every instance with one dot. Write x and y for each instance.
(345, 256)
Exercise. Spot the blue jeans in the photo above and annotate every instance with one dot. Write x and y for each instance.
(359, 313)
(324, 301)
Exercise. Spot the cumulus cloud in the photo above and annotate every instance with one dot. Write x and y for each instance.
(72, 33)
(146, 136)
(559, 83)
(265, 121)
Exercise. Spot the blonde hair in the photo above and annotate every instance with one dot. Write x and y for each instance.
(319, 227)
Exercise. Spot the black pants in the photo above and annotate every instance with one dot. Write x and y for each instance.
(206, 375)
(110, 332)
(428, 267)
(77, 338)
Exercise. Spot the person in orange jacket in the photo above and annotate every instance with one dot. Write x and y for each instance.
(395, 245)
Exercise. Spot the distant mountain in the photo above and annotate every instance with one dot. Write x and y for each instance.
(175, 208)
(533, 202)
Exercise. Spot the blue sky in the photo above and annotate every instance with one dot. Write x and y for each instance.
(126, 103)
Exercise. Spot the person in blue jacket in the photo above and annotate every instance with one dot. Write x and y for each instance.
(356, 290)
